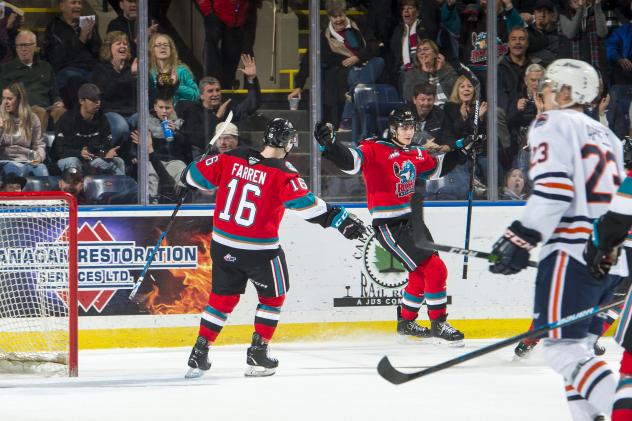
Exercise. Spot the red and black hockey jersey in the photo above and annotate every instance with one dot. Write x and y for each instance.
(252, 195)
(390, 173)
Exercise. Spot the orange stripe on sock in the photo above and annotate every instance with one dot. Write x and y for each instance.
(588, 373)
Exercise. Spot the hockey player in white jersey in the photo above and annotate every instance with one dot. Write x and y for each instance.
(576, 167)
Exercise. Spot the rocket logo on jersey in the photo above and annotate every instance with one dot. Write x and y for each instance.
(406, 174)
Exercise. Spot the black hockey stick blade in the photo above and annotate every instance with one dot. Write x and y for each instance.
(393, 375)
(464, 252)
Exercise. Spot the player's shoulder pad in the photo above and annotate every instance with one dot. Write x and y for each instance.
(368, 140)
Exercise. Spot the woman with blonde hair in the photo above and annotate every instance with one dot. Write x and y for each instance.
(459, 110)
(116, 78)
(430, 67)
(165, 69)
(22, 149)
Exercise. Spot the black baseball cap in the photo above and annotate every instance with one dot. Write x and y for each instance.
(545, 4)
(89, 91)
(72, 175)
(12, 178)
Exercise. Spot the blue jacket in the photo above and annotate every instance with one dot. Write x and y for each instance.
(619, 43)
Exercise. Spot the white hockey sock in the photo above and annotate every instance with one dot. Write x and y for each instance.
(590, 376)
(580, 409)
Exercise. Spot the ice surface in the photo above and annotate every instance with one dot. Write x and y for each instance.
(315, 381)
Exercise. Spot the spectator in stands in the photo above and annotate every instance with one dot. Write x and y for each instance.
(430, 67)
(116, 76)
(619, 49)
(512, 66)
(12, 183)
(521, 112)
(126, 23)
(38, 79)
(405, 39)
(225, 24)
(459, 111)
(174, 152)
(472, 25)
(544, 40)
(433, 131)
(9, 23)
(71, 181)
(22, 149)
(583, 28)
(349, 57)
(514, 185)
(165, 69)
(229, 140)
(72, 49)
(83, 138)
(201, 117)
(300, 78)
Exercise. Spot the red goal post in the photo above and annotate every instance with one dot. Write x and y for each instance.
(38, 283)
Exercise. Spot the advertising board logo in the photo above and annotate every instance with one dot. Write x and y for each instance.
(381, 276)
(104, 264)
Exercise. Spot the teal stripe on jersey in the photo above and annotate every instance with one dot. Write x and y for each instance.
(199, 179)
(626, 186)
(360, 154)
(302, 202)
(246, 239)
(435, 295)
(412, 298)
(219, 314)
(389, 208)
(424, 175)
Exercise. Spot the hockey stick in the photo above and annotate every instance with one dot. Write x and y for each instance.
(465, 252)
(390, 373)
(181, 199)
(470, 192)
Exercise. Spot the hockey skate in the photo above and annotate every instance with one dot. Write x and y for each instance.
(259, 363)
(524, 348)
(444, 333)
(198, 360)
(410, 329)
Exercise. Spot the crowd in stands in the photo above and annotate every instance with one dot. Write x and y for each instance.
(69, 100)
(69, 106)
(435, 55)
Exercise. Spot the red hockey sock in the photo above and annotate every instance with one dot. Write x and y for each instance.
(267, 316)
(622, 406)
(413, 295)
(435, 274)
(215, 314)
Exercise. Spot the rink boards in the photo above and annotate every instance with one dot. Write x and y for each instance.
(337, 287)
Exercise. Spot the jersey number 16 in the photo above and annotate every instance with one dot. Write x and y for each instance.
(246, 209)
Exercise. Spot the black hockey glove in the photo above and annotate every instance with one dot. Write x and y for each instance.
(468, 144)
(324, 134)
(348, 224)
(511, 251)
(604, 244)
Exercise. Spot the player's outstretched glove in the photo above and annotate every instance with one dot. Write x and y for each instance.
(511, 251)
(468, 144)
(604, 245)
(324, 134)
(348, 224)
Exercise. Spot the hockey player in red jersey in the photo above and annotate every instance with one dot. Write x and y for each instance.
(392, 169)
(253, 190)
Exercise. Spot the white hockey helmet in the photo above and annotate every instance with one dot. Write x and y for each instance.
(578, 75)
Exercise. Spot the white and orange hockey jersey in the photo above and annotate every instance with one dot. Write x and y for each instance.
(576, 167)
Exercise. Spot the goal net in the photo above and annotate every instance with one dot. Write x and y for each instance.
(38, 283)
